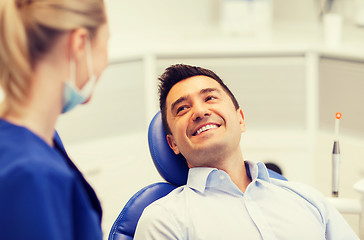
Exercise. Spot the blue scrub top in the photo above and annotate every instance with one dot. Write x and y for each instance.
(42, 193)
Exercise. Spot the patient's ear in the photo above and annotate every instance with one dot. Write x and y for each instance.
(172, 144)
(241, 118)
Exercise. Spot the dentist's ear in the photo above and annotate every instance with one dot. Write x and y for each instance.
(78, 41)
(241, 119)
(172, 144)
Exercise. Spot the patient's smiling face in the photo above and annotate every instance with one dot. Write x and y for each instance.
(204, 123)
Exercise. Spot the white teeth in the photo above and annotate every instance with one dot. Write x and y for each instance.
(204, 128)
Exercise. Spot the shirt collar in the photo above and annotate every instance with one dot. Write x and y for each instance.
(257, 171)
(201, 177)
(197, 177)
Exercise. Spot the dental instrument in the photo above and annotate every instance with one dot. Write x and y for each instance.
(336, 157)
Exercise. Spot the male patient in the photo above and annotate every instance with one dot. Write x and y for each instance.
(226, 197)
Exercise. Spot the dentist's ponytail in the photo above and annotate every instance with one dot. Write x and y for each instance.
(15, 69)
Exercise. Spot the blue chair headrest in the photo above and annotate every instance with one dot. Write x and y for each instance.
(173, 168)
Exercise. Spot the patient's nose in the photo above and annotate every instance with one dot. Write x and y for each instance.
(200, 111)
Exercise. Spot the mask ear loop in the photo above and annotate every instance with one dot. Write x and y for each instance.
(72, 80)
(87, 88)
(89, 58)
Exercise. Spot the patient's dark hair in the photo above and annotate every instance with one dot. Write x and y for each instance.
(177, 73)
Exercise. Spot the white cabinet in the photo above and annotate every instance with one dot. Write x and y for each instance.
(341, 89)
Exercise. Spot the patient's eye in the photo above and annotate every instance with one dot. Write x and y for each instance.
(210, 98)
(181, 109)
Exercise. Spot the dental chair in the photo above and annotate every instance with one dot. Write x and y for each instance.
(173, 168)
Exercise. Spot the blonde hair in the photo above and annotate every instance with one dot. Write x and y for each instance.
(28, 28)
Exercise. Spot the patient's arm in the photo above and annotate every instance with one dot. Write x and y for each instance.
(336, 226)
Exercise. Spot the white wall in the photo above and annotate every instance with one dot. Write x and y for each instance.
(129, 19)
(160, 17)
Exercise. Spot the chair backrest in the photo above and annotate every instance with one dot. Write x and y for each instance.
(173, 168)
(125, 225)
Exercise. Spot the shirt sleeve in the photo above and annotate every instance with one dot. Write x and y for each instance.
(336, 227)
(157, 222)
(35, 204)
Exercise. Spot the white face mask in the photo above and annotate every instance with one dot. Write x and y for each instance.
(73, 96)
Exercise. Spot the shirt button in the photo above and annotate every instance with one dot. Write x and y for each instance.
(222, 177)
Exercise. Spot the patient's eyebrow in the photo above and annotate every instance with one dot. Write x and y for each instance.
(208, 90)
(178, 101)
(184, 98)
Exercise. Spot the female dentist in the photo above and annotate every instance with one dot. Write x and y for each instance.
(51, 55)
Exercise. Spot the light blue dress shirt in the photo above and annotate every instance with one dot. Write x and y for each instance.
(210, 206)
